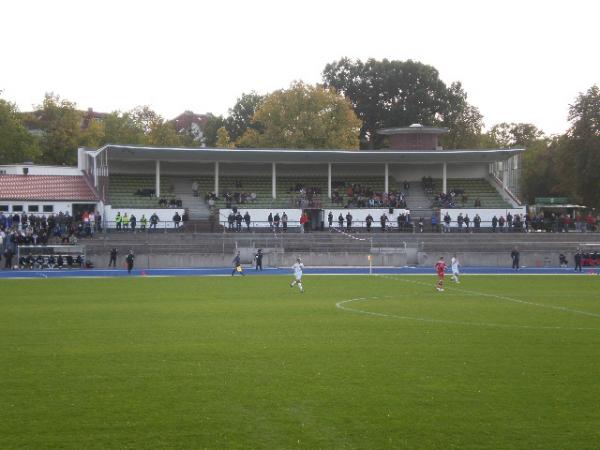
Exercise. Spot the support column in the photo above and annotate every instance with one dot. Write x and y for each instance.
(329, 180)
(504, 174)
(386, 179)
(274, 181)
(157, 182)
(444, 179)
(217, 178)
(95, 172)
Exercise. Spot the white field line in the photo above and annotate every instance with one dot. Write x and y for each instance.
(341, 305)
(505, 298)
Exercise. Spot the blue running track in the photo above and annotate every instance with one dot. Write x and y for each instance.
(221, 271)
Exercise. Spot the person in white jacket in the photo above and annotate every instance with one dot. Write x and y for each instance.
(297, 268)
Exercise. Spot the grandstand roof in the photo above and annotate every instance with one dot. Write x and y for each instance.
(45, 187)
(141, 153)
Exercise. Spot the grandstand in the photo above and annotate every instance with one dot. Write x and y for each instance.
(468, 190)
(135, 191)
(141, 180)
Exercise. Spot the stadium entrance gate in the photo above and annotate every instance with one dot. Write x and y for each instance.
(317, 218)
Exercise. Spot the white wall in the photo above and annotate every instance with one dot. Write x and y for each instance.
(40, 170)
(485, 214)
(165, 215)
(58, 206)
(358, 215)
(261, 215)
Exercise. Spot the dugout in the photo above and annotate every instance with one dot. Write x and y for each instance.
(49, 256)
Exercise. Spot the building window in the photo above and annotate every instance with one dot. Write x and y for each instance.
(17, 208)
(33, 208)
(4, 208)
(48, 208)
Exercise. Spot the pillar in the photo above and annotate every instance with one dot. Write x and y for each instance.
(157, 182)
(386, 179)
(329, 180)
(274, 181)
(217, 178)
(95, 171)
(444, 179)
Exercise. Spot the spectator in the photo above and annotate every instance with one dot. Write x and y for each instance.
(153, 221)
(383, 221)
(304, 221)
(247, 220)
(477, 222)
(238, 221)
(176, 220)
(369, 222)
(447, 220)
(276, 221)
(133, 222)
(284, 221)
(143, 222)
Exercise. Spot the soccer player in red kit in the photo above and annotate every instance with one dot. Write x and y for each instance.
(440, 268)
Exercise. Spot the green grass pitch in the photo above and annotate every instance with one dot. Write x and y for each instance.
(356, 362)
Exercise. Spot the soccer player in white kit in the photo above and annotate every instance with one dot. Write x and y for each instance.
(297, 267)
(455, 265)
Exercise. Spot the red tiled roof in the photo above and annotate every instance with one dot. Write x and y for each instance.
(45, 187)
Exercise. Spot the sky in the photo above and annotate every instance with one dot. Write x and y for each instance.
(518, 61)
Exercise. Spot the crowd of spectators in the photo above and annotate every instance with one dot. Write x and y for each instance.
(129, 222)
(31, 229)
(306, 196)
(24, 229)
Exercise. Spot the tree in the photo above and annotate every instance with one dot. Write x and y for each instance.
(240, 116)
(212, 125)
(164, 134)
(121, 128)
(540, 173)
(399, 93)
(303, 116)
(583, 146)
(61, 125)
(464, 121)
(94, 135)
(16, 143)
(508, 135)
(223, 140)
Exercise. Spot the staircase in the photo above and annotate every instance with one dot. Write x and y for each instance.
(196, 206)
(418, 202)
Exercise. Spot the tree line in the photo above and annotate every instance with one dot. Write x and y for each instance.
(343, 112)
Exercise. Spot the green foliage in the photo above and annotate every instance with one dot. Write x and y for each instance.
(303, 116)
(211, 127)
(122, 129)
(583, 147)
(464, 121)
(61, 126)
(511, 135)
(399, 93)
(16, 143)
(237, 363)
(240, 116)
(223, 140)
